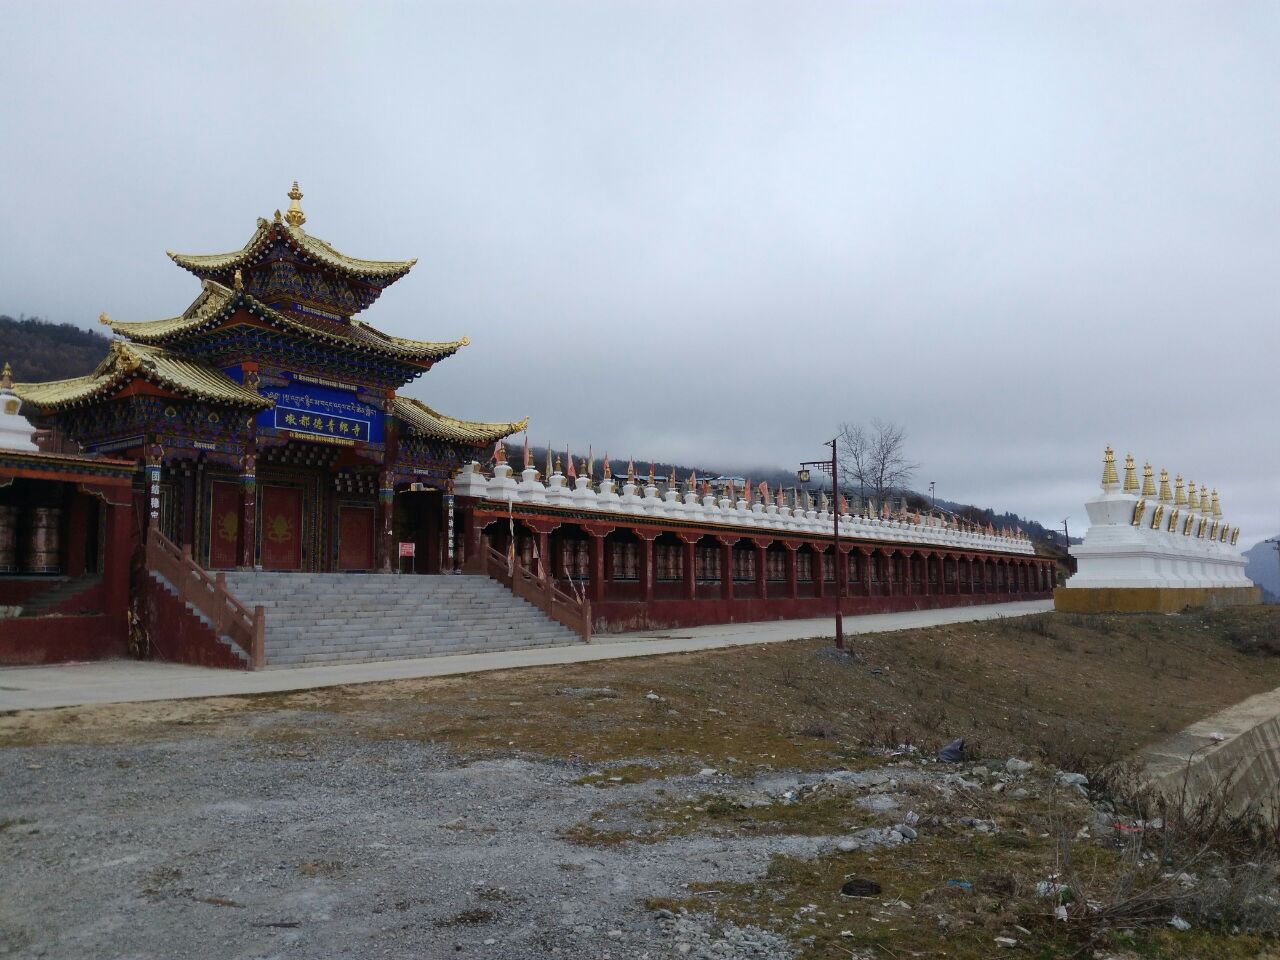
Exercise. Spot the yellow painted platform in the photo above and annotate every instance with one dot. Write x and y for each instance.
(1151, 599)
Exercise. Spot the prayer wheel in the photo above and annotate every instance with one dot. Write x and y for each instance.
(8, 539)
(42, 556)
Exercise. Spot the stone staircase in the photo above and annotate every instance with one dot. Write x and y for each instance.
(313, 619)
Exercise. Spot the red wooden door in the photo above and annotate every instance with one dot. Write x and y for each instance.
(355, 538)
(224, 524)
(281, 528)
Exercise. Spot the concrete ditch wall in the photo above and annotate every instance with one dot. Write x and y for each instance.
(1248, 752)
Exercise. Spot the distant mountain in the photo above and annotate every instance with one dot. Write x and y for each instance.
(40, 350)
(1264, 569)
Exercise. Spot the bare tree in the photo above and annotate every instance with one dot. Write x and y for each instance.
(875, 458)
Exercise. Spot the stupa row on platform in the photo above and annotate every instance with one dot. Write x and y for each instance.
(644, 500)
(1152, 548)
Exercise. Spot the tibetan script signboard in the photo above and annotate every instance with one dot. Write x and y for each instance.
(327, 411)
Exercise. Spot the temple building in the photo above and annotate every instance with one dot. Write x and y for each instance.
(265, 416)
(216, 489)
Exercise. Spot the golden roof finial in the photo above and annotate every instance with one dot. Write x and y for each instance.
(1179, 493)
(1217, 507)
(6, 377)
(1165, 495)
(104, 319)
(278, 217)
(1148, 480)
(295, 216)
(1193, 498)
(239, 280)
(1130, 474)
(1110, 480)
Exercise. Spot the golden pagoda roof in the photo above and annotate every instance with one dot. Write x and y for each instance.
(421, 421)
(127, 361)
(307, 246)
(216, 302)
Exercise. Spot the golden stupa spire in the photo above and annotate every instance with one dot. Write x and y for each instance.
(104, 319)
(6, 377)
(1217, 507)
(1193, 498)
(294, 215)
(1148, 480)
(1165, 495)
(1179, 493)
(1130, 474)
(1110, 480)
(1206, 505)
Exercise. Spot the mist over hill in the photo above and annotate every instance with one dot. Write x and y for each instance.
(1263, 568)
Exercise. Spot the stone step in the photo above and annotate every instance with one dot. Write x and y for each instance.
(344, 618)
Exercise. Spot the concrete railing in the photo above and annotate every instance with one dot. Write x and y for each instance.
(566, 610)
(208, 595)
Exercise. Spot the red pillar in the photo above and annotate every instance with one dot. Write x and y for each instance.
(117, 554)
(761, 548)
(792, 585)
(595, 553)
(866, 570)
(688, 569)
(820, 574)
(646, 564)
(908, 562)
(726, 570)
(248, 518)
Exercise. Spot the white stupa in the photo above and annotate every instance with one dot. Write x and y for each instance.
(15, 429)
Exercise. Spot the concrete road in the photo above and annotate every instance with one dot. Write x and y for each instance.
(128, 681)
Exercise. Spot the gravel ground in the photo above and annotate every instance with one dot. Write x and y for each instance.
(238, 847)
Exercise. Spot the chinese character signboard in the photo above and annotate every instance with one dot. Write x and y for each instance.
(329, 411)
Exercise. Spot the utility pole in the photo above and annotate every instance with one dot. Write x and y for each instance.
(1066, 536)
(803, 476)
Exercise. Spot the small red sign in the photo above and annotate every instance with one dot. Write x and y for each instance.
(407, 548)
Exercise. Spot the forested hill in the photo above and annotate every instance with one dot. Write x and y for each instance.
(39, 350)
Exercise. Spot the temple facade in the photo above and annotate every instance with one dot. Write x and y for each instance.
(265, 417)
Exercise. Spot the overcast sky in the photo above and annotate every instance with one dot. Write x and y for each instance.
(709, 232)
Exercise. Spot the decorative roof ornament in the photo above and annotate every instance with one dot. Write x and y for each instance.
(1193, 498)
(1110, 479)
(238, 281)
(104, 319)
(1165, 495)
(1217, 507)
(6, 377)
(1148, 480)
(1130, 474)
(1179, 493)
(278, 218)
(295, 216)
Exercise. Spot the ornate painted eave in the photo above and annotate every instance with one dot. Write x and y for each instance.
(127, 362)
(217, 302)
(306, 246)
(421, 421)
